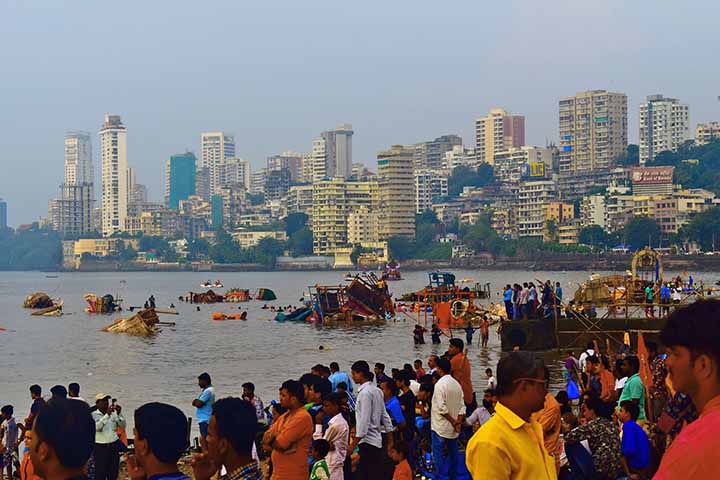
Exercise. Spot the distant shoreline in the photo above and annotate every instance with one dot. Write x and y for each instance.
(547, 262)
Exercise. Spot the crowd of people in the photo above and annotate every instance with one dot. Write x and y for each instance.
(367, 423)
(528, 301)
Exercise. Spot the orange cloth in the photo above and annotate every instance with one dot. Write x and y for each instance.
(402, 471)
(122, 434)
(693, 454)
(460, 366)
(607, 380)
(549, 419)
(293, 430)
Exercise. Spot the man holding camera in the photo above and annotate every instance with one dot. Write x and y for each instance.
(108, 419)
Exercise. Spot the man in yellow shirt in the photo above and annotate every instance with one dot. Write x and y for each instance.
(510, 444)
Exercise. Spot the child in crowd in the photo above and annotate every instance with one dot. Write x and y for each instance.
(635, 444)
(320, 470)
(398, 453)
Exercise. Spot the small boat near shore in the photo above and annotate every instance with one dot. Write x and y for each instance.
(217, 284)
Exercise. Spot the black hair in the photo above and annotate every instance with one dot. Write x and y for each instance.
(456, 342)
(322, 447)
(249, 386)
(407, 367)
(67, 426)
(490, 391)
(309, 379)
(631, 407)
(401, 447)
(391, 386)
(594, 403)
(562, 397)
(488, 370)
(205, 376)
(404, 377)
(342, 385)
(427, 378)
(590, 346)
(634, 362)
(74, 388)
(322, 386)
(418, 361)
(236, 421)
(36, 389)
(59, 391)
(427, 387)
(165, 429)
(380, 366)
(362, 367)
(7, 409)
(332, 398)
(516, 365)
(695, 327)
(593, 359)
(294, 388)
(334, 366)
(444, 365)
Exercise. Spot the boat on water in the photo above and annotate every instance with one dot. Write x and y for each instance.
(364, 301)
(105, 304)
(604, 308)
(392, 272)
(142, 324)
(208, 284)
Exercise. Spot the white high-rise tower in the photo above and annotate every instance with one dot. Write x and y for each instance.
(78, 158)
(215, 149)
(113, 156)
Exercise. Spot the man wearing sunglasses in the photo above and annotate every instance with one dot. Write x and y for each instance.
(510, 444)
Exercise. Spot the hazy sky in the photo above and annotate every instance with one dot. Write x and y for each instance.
(277, 73)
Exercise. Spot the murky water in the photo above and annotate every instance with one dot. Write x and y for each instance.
(59, 350)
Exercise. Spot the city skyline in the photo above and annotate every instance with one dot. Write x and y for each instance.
(269, 116)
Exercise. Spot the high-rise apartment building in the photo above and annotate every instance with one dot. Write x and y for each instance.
(459, 156)
(277, 184)
(707, 132)
(74, 209)
(3, 214)
(235, 171)
(333, 201)
(510, 163)
(429, 185)
(113, 159)
(78, 158)
(181, 178)
(257, 181)
(290, 160)
(533, 198)
(593, 131)
(498, 131)
(396, 178)
(332, 153)
(215, 148)
(664, 125)
(429, 155)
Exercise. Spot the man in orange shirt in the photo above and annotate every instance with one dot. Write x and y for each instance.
(290, 436)
(691, 336)
(460, 366)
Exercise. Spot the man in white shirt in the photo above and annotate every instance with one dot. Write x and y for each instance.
(492, 383)
(370, 416)
(337, 435)
(589, 352)
(107, 420)
(74, 392)
(446, 419)
(484, 413)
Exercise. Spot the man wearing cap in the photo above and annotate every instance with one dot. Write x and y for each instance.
(107, 421)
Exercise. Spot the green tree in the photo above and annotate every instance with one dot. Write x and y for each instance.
(595, 236)
(267, 251)
(464, 176)
(295, 222)
(198, 248)
(301, 242)
(552, 230)
(428, 217)
(640, 232)
(704, 229)
(401, 248)
(425, 234)
(630, 157)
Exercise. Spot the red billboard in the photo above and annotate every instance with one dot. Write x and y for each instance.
(652, 175)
